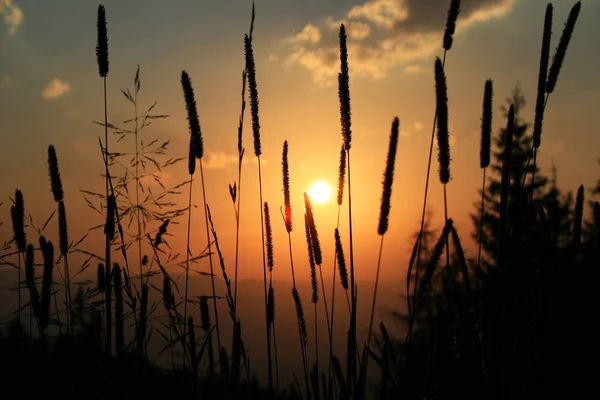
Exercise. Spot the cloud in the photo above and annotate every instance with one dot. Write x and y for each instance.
(418, 126)
(12, 15)
(218, 160)
(383, 34)
(358, 30)
(6, 79)
(309, 34)
(55, 89)
(412, 69)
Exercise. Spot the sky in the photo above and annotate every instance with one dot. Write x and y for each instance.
(51, 93)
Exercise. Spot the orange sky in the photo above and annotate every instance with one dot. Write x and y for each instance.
(51, 93)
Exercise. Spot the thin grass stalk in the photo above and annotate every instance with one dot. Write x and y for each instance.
(504, 188)
(384, 213)
(340, 197)
(18, 223)
(58, 194)
(271, 293)
(109, 233)
(484, 162)
(447, 45)
(577, 221)
(212, 276)
(303, 337)
(119, 317)
(552, 74)
(443, 141)
(191, 169)
(251, 70)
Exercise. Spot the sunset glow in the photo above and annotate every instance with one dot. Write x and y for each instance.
(320, 192)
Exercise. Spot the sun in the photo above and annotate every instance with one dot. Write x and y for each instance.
(320, 192)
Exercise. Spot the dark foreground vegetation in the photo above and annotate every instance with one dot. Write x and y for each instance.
(516, 321)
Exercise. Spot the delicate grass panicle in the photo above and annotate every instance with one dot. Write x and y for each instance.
(341, 175)
(486, 125)
(102, 44)
(388, 179)
(192, 114)
(251, 71)
(451, 24)
(286, 187)
(442, 122)
(561, 50)
(577, 219)
(341, 260)
(542, 77)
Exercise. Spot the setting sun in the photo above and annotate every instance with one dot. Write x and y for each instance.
(320, 192)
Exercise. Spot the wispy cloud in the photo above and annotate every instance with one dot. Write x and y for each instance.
(12, 15)
(383, 34)
(55, 89)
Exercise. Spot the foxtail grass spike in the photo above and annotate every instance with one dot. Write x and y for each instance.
(577, 219)
(462, 261)
(344, 90)
(442, 122)
(102, 43)
(486, 125)
(269, 237)
(451, 24)
(192, 114)
(168, 299)
(341, 175)
(436, 254)
(542, 77)
(62, 229)
(109, 227)
(55, 182)
(561, 50)
(286, 187)
(339, 251)
(300, 316)
(388, 179)
(204, 314)
(314, 236)
(251, 71)
(311, 260)
(17, 212)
